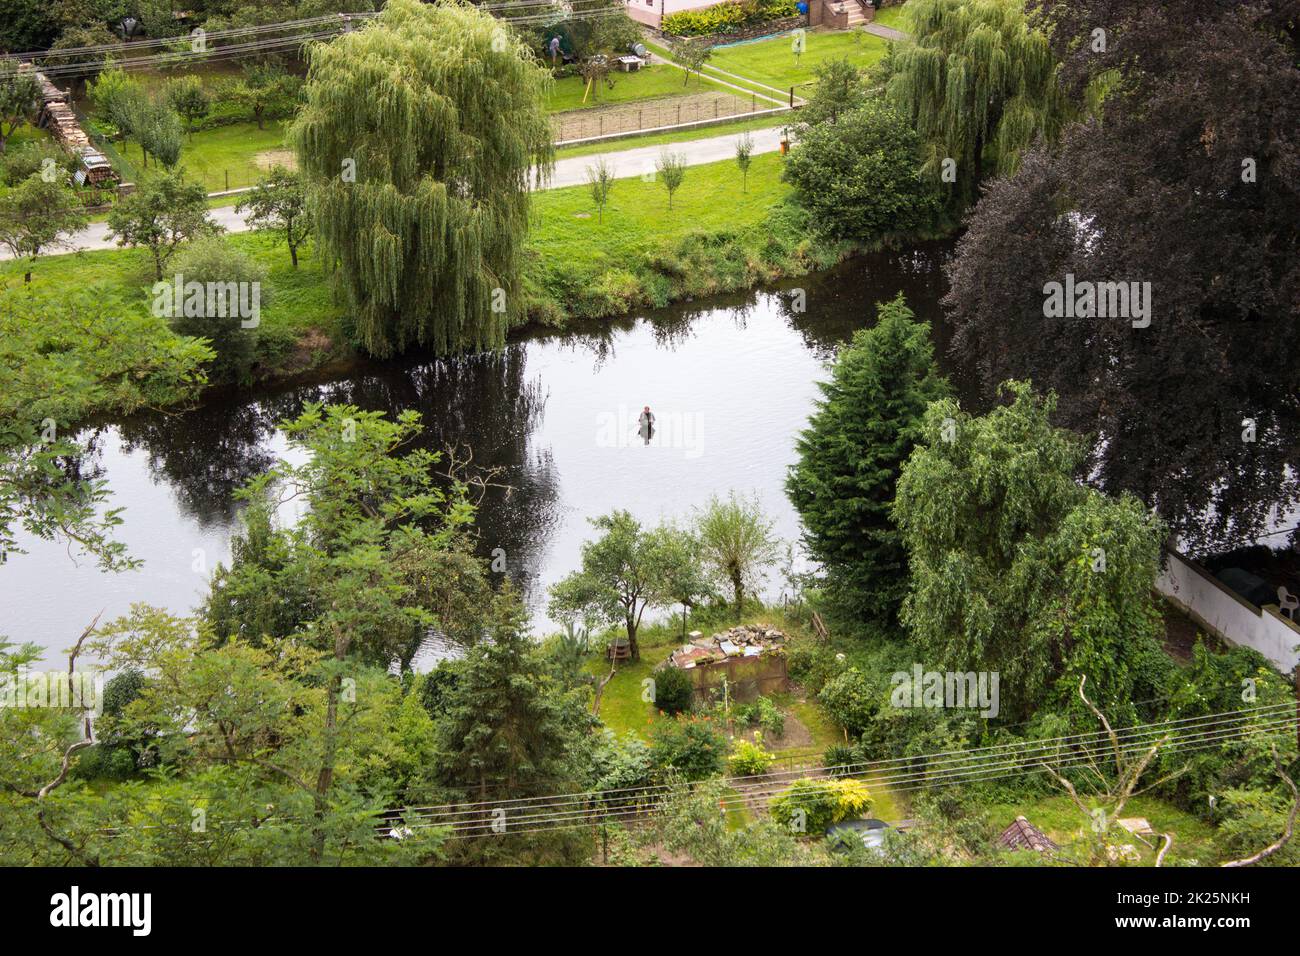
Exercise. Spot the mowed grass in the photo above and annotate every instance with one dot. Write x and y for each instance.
(637, 219)
(221, 158)
(298, 299)
(774, 63)
(636, 141)
(646, 83)
(895, 17)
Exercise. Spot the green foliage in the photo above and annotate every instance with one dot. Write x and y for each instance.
(19, 97)
(841, 756)
(726, 17)
(190, 99)
(737, 544)
(27, 159)
(279, 202)
(1018, 568)
(840, 88)
(693, 748)
(748, 759)
(366, 567)
(65, 357)
(674, 691)
(625, 571)
(671, 169)
(425, 240)
(763, 712)
(978, 84)
(164, 211)
(852, 700)
(850, 457)
(807, 807)
(210, 259)
(860, 176)
(37, 214)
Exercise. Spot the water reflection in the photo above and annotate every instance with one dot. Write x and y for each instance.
(731, 380)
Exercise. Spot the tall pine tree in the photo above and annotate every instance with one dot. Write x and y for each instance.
(850, 457)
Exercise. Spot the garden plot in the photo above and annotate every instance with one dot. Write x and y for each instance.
(652, 114)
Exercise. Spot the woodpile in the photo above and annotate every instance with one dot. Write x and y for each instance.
(58, 117)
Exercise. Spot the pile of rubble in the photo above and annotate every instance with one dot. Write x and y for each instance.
(745, 640)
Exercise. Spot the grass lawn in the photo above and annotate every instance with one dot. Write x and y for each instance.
(646, 83)
(772, 62)
(219, 158)
(637, 219)
(1060, 819)
(895, 17)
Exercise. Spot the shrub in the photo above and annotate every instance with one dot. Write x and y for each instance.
(212, 259)
(850, 700)
(770, 717)
(28, 159)
(748, 759)
(839, 755)
(806, 806)
(810, 806)
(673, 690)
(725, 17)
(694, 748)
(860, 176)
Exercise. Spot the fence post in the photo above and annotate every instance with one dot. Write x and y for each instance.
(792, 97)
(227, 172)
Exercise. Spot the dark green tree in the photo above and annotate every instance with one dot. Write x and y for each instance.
(860, 176)
(850, 456)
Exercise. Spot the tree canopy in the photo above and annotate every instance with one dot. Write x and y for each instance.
(417, 139)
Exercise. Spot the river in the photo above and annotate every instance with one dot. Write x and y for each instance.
(731, 381)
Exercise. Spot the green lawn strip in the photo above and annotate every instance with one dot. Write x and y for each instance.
(637, 219)
(658, 80)
(298, 300)
(894, 17)
(772, 61)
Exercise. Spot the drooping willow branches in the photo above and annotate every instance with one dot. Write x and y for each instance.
(417, 140)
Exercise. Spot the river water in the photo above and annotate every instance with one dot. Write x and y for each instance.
(731, 381)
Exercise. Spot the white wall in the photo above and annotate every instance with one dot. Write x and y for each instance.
(650, 13)
(1227, 614)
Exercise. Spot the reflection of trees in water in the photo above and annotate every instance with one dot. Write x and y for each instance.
(205, 455)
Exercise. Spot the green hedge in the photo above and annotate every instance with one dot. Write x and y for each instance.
(726, 17)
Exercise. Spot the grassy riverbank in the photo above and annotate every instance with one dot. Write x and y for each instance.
(719, 236)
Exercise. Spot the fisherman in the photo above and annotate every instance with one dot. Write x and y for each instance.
(646, 424)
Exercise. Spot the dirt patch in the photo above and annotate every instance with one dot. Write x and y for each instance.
(275, 157)
(796, 736)
(651, 114)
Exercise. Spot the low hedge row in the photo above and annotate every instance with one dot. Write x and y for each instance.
(726, 17)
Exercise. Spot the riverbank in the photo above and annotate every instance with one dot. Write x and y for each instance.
(722, 233)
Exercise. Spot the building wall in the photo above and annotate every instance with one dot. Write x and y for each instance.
(1228, 615)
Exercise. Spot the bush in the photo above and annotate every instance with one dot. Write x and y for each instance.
(850, 700)
(770, 717)
(748, 759)
(810, 806)
(806, 806)
(694, 748)
(27, 159)
(212, 259)
(860, 176)
(726, 17)
(839, 755)
(673, 690)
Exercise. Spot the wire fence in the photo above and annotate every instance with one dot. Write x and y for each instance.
(654, 115)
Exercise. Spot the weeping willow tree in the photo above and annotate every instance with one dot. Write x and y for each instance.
(417, 139)
(979, 85)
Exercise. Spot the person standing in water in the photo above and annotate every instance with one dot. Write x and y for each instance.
(646, 424)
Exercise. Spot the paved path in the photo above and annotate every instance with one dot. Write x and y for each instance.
(889, 33)
(568, 172)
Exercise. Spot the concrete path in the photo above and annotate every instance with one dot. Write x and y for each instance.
(888, 33)
(568, 172)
